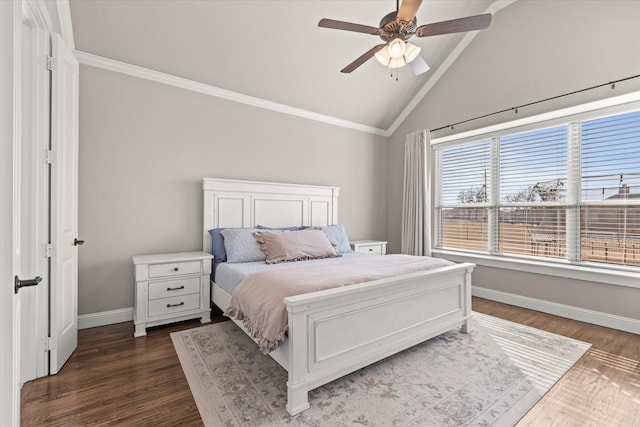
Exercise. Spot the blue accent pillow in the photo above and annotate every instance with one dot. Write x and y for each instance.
(338, 236)
(219, 254)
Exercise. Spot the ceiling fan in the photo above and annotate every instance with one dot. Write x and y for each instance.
(399, 26)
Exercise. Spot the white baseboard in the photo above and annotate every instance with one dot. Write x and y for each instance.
(110, 317)
(613, 321)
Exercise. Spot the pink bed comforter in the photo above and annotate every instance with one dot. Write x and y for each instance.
(258, 299)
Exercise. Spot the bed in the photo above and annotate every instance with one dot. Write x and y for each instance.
(381, 317)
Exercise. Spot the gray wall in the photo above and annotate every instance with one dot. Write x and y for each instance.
(144, 148)
(533, 50)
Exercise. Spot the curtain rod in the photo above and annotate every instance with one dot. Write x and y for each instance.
(612, 83)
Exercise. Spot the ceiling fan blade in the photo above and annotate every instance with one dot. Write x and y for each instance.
(362, 59)
(348, 26)
(470, 23)
(408, 9)
(419, 65)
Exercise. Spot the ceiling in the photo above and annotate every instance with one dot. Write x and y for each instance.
(270, 49)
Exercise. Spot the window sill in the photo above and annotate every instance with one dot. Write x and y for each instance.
(627, 277)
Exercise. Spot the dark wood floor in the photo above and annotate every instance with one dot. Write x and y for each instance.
(114, 379)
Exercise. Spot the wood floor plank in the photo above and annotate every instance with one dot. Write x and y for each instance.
(601, 389)
(115, 379)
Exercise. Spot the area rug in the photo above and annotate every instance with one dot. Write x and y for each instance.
(490, 377)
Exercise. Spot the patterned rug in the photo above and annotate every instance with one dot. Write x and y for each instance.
(490, 377)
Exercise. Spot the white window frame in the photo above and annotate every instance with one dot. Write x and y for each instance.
(569, 267)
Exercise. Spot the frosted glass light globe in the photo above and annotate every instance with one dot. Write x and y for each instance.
(397, 48)
(397, 62)
(411, 52)
(383, 56)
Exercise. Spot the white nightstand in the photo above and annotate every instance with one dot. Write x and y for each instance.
(170, 288)
(370, 246)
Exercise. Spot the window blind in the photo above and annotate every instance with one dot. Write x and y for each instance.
(465, 173)
(567, 191)
(533, 174)
(610, 184)
(463, 196)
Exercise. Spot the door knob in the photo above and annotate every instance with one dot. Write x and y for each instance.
(17, 283)
(77, 242)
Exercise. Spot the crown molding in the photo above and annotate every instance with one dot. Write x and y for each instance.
(439, 72)
(109, 64)
(171, 80)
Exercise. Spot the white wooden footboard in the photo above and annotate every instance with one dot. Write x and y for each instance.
(337, 331)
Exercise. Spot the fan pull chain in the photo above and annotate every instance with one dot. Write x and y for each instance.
(391, 75)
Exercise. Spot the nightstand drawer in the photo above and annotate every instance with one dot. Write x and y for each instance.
(174, 268)
(172, 288)
(371, 249)
(164, 306)
(374, 247)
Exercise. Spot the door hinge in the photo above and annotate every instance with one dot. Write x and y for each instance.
(51, 63)
(48, 344)
(50, 156)
(48, 250)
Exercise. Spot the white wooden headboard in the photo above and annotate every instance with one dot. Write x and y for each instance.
(234, 203)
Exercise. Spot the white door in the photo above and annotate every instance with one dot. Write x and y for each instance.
(16, 203)
(33, 192)
(64, 205)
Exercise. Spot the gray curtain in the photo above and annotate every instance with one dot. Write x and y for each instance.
(416, 209)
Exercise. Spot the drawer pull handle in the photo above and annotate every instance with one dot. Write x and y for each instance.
(370, 249)
(175, 269)
(176, 289)
(175, 305)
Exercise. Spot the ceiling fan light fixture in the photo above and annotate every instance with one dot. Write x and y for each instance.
(411, 52)
(397, 47)
(383, 56)
(397, 63)
(398, 26)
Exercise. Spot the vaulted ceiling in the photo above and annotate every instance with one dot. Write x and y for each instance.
(270, 49)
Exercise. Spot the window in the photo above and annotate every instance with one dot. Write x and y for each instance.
(533, 205)
(465, 191)
(610, 187)
(565, 189)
